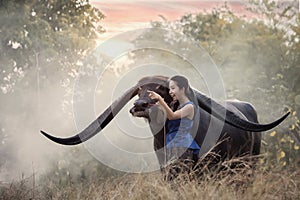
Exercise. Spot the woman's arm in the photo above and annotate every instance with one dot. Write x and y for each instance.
(186, 111)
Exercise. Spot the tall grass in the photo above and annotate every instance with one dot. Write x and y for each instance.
(237, 183)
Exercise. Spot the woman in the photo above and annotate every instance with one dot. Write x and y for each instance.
(179, 141)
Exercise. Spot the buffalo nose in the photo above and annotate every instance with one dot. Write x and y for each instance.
(141, 103)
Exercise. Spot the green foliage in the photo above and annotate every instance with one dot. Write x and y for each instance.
(41, 44)
(35, 33)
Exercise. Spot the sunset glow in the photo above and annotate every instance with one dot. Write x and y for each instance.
(128, 15)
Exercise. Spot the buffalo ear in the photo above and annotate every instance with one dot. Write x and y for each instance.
(135, 92)
(160, 88)
(164, 92)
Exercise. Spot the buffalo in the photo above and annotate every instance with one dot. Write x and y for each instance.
(234, 123)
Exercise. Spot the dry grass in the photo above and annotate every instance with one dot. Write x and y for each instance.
(238, 183)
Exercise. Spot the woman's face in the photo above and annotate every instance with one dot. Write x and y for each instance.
(175, 91)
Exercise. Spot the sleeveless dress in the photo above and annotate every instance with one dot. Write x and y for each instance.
(179, 134)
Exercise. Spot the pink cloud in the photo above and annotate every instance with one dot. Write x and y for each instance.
(126, 15)
(142, 11)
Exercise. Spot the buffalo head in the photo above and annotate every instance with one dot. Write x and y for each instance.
(145, 106)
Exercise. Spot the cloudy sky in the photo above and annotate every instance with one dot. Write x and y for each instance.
(123, 15)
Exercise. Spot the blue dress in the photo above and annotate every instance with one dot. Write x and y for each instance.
(179, 134)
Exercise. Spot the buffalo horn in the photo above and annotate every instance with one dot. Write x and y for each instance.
(229, 117)
(97, 125)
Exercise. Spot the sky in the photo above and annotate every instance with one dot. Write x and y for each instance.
(124, 15)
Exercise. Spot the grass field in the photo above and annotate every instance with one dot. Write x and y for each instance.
(271, 183)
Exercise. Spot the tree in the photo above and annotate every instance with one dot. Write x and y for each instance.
(35, 33)
(41, 42)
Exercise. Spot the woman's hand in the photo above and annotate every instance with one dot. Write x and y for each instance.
(171, 115)
(154, 95)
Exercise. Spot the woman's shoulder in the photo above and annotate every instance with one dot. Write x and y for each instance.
(187, 103)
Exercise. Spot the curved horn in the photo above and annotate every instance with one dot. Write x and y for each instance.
(229, 117)
(97, 125)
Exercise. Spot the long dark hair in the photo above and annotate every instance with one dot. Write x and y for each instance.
(182, 82)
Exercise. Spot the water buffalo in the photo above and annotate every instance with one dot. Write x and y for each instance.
(236, 120)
